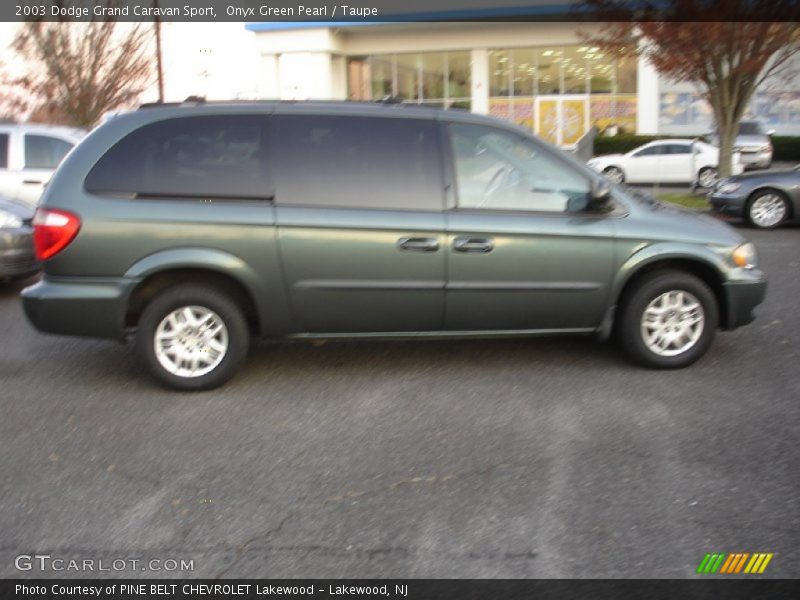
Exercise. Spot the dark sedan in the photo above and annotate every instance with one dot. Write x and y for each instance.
(17, 258)
(766, 199)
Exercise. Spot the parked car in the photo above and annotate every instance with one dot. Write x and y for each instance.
(29, 154)
(194, 227)
(664, 161)
(17, 258)
(767, 199)
(754, 143)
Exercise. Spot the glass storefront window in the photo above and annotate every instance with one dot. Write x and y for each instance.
(626, 75)
(433, 70)
(441, 79)
(548, 68)
(408, 76)
(500, 73)
(601, 66)
(573, 65)
(382, 75)
(523, 69)
(459, 73)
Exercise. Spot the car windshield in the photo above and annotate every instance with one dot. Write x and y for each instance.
(750, 128)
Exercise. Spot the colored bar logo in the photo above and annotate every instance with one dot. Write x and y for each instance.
(734, 563)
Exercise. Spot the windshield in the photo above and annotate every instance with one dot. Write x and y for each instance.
(750, 128)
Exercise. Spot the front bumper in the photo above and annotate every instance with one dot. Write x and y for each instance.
(17, 258)
(89, 307)
(728, 204)
(742, 295)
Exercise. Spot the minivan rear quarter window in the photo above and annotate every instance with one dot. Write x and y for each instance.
(357, 162)
(187, 157)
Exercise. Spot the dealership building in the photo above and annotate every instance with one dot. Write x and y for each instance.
(545, 76)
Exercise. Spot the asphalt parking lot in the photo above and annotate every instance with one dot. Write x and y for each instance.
(500, 458)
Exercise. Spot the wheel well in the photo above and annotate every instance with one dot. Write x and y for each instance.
(147, 289)
(702, 271)
(781, 193)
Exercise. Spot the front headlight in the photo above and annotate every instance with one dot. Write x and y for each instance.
(744, 255)
(9, 221)
(728, 187)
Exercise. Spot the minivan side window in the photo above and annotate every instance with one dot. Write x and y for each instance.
(44, 152)
(188, 157)
(3, 150)
(499, 170)
(357, 162)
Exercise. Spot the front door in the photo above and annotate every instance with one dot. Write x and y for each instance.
(360, 222)
(523, 251)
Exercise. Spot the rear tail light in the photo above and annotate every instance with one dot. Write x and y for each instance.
(53, 230)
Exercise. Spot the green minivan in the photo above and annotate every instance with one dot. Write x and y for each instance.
(193, 227)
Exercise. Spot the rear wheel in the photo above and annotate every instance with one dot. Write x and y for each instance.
(192, 337)
(707, 177)
(668, 320)
(767, 209)
(614, 175)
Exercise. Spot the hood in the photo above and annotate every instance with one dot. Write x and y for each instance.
(675, 223)
(16, 208)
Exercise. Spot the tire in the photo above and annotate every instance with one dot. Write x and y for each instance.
(197, 358)
(654, 295)
(767, 209)
(707, 177)
(614, 175)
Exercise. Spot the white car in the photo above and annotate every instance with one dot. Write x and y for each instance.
(29, 154)
(665, 161)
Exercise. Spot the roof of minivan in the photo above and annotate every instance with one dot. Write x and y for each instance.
(316, 107)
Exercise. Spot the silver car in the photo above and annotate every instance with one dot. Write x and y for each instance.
(754, 144)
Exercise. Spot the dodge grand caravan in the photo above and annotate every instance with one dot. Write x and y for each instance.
(193, 227)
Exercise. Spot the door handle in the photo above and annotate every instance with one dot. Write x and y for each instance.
(418, 244)
(32, 182)
(467, 244)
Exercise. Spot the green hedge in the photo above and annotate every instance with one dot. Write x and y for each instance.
(786, 148)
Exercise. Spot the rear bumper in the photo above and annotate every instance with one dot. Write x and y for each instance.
(17, 257)
(760, 159)
(85, 307)
(742, 296)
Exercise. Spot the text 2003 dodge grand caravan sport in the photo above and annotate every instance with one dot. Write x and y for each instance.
(199, 226)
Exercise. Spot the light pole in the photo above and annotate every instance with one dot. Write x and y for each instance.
(159, 68)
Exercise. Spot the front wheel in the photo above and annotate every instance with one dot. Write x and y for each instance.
(707, 177)
(668, 320)
(192, 337)
(767, 209)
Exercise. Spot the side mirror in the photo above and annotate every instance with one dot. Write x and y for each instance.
(770, 132)
(601, 194)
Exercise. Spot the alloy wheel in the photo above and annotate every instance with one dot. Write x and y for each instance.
(191, 341)
(672, 323)
(767, 210)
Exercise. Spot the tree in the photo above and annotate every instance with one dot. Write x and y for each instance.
(79, 71)
(727, 47)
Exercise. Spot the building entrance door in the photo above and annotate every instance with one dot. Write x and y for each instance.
(562, 120)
